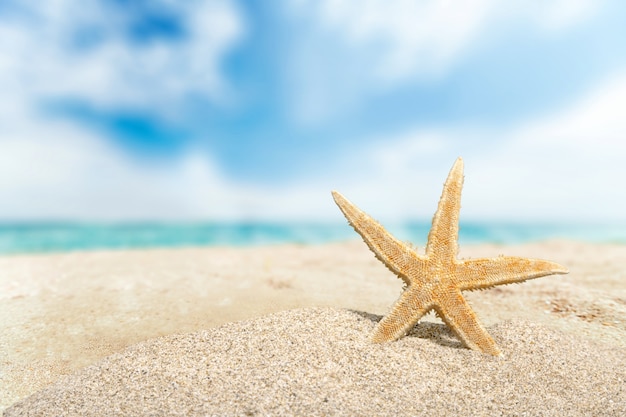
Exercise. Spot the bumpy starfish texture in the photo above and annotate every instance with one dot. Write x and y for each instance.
(435, 280)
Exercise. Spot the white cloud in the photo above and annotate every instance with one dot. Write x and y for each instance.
(39, 58)
(556, 15)
(568, 165)
(347, 50)
(54, 169)
(418, 36)
(425, 37)
(58, 171)
(565, 166)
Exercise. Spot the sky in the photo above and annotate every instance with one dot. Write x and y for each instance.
(120, 110)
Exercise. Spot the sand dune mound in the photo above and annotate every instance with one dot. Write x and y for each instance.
(320, 362)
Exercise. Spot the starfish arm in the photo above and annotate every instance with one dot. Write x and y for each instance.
(397, 256)
(476, 274)
(442, 239)
(460, 318)
(404, 314)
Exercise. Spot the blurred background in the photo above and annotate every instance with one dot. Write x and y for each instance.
(138, 123)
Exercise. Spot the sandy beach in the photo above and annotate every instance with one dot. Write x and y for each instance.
(193, 330)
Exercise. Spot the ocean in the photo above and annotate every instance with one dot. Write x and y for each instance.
(63, 237)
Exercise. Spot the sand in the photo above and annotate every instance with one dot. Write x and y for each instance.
(564, 337)
(319, 362)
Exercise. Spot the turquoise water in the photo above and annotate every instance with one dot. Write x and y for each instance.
(61, 237)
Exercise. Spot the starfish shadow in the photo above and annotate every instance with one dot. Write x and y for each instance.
(435, 332)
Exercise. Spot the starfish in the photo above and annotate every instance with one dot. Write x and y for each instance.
(435, 280)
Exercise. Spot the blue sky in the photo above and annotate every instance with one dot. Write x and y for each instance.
(201, 110)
